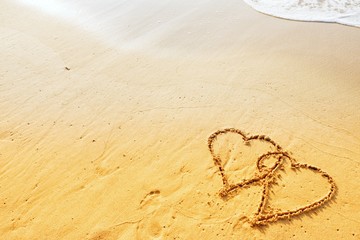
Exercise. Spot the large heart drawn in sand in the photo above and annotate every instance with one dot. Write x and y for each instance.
(265, 176)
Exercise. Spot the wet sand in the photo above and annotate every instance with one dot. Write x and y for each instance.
(104, 130)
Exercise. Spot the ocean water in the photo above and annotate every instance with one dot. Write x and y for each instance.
(340, 11)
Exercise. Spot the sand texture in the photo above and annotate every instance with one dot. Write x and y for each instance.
(176, 120)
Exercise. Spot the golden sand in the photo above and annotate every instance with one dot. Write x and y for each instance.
(104, 132)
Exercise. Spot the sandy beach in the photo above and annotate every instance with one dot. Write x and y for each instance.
(106, 112)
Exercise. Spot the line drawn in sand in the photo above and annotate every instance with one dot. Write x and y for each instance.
(265, 177)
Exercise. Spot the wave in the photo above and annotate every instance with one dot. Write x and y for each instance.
(339, 11)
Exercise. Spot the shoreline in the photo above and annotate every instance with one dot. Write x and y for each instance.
(308, 16)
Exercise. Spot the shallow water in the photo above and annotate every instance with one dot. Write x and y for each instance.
(345, 11)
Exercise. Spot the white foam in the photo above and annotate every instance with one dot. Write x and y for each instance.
(340, 11)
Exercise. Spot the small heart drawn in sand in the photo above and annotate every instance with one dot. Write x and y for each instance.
(237, 154)
(265, 176)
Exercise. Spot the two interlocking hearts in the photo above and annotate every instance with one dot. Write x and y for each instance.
(265, 176)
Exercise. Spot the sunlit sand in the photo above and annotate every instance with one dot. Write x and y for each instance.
(109, 110)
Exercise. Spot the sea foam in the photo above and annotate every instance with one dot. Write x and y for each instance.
(340, 11)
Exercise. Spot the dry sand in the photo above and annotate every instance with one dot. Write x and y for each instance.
(115, 146)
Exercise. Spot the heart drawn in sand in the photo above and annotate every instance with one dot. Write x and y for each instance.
(265, 176)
